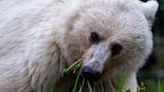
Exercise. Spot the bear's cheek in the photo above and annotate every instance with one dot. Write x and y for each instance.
(83, 45)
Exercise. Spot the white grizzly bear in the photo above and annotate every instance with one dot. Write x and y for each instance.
(40, 38)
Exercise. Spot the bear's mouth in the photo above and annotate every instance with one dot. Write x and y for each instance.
(86, 72)
(84, 76)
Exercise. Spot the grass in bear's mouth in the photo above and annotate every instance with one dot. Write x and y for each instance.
(76, 69)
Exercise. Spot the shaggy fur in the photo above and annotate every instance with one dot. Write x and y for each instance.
(39, 38)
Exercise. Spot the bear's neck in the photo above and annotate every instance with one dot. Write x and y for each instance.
(46, 68)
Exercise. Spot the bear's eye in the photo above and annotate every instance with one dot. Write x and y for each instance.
(94, 38)
(116, 49)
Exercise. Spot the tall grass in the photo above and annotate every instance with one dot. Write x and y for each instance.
(78, 87)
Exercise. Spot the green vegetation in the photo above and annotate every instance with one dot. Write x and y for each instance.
(51, 86)
(78, 86)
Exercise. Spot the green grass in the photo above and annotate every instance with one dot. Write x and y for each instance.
(122, 83)
(111, 86)
(82, 86)
(77, 81)
(74, 65)
(153, 85)
(78, 86)
(94, 87)
(102, 87)
(159, 86)
(51, 86)
(89, 86)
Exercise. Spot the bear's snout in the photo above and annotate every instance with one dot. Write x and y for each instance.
(94, 61)
(90, 74)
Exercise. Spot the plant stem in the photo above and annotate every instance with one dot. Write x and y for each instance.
(77, 80)
(51, 86)
(89, 86)
(94, 87)
(159, 86)
(111, 86)
(102, 87)
(66, 70)
(81, 88)
(122, 83)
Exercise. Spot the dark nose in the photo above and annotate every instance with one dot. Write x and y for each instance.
(90, 74)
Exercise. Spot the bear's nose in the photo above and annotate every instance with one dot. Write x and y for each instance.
(90, 74)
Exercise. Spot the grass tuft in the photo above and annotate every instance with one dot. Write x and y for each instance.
(78, 87)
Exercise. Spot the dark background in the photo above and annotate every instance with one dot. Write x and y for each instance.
(152, 74)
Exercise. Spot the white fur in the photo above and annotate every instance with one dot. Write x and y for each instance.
(36, 43)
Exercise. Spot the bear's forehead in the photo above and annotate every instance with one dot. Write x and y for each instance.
(116, 20)
(107, 23)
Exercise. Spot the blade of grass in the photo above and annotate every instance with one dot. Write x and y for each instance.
(94, 87)
(159, 86)
(66, 70)
(82, 86)
(77, 80)
(122, 83)
(102, 87)
(111, 86)
(51, 87)
(89, 86)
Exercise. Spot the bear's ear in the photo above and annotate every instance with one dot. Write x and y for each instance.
(149, 9)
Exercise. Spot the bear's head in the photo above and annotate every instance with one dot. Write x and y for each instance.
(111, 36)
